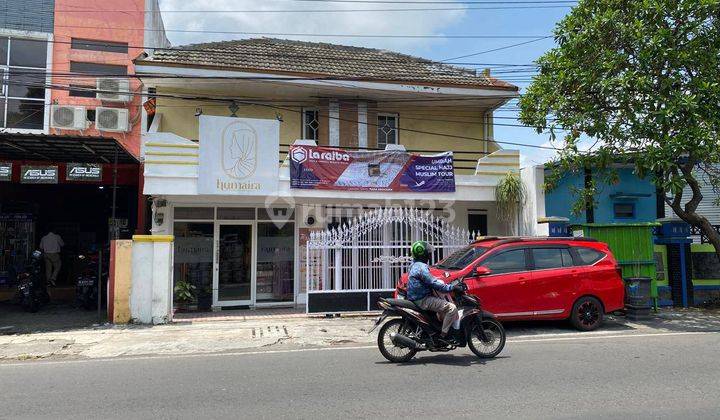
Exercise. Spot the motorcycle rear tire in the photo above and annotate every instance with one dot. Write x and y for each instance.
(31, 305)
(381, 342)
(487, 325)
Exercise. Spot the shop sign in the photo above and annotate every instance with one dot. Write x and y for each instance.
(5, 171)
(329, 168)
(193, 250)
(84, 172)
(238, 156)
(39, 174)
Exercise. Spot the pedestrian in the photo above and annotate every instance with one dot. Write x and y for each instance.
(50, 245)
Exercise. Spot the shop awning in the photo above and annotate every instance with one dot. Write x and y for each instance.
(62, 148)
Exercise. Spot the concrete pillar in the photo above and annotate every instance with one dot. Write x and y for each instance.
(362, 128)
(675, 235)
(120, 281)
(334, 123)
(151, 293)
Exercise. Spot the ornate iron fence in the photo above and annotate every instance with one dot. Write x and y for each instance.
(349, 267)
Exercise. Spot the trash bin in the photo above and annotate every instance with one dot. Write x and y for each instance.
(637, 292)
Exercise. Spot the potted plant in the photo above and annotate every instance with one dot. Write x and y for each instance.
(204, 298)
(509, 196)
(184, 294)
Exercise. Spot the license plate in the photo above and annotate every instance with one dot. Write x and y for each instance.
(86, 282)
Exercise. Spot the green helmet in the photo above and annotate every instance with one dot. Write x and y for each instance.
(421, 251)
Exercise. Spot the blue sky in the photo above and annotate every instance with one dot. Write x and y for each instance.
(463, 21)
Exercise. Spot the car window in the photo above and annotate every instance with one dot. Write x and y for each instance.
(588, 255)
(506, 262)
(551, 258)
(461, 258)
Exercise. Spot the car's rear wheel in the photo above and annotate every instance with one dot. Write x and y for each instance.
(587, 314)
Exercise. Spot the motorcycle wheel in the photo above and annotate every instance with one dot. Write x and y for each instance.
(388, 349)
(31, 305)
(495, 334)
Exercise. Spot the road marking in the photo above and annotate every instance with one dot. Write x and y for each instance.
(595, 337)
(314, 349)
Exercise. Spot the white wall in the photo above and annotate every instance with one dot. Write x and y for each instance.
(533, 177)
(151, 289)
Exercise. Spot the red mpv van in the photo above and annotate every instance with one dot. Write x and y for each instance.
(538, 278)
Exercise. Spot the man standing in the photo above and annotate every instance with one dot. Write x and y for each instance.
(50, 245)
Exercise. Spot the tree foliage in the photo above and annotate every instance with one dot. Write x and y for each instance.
(642, 80)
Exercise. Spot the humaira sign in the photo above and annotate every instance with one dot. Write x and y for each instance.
(327, 168)
(238, 156)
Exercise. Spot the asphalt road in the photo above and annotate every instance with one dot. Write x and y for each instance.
(638, 376)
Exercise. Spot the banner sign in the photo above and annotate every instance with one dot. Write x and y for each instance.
(31, 174)
(5, 171)
(330, 168)
(238, 156)
(83, 172)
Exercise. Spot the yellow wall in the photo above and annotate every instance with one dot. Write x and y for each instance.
(179, 118)
(464, 123)
(122, 281)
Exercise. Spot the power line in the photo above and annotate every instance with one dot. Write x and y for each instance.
(299, 56)
(410, 36)
(497, 49)
(421, 9)
(275, 107)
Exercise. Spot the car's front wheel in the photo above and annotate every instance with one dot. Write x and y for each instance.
(587, 314)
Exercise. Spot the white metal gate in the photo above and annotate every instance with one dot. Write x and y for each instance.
(349, 267)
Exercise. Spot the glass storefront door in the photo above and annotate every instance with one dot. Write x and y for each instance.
(234, 264)
(275, 262)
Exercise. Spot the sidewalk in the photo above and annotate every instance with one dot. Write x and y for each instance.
(241, 332)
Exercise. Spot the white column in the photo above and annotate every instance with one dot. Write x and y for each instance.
(334, 122)
(362, 124)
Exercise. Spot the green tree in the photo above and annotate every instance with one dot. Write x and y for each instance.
(641, 78)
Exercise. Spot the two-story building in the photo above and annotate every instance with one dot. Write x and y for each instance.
(70, 125)
(256, 144)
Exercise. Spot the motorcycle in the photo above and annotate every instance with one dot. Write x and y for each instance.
(412, 329)
(86, 285)
(32, 290)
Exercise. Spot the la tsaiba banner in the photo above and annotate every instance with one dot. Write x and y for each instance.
(329, 168)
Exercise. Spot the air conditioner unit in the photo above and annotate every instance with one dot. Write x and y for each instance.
(111, 119)
(113, 90)
(68, 117)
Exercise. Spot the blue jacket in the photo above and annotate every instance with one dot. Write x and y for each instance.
(421, 282)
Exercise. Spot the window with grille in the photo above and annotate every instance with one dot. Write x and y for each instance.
(387, 130)
(311, 123)
(23, 71)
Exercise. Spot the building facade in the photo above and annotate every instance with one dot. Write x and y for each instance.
(249, 248)
(70, 124)
(630, 200)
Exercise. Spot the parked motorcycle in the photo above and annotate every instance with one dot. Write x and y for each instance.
(412, 329)
(32, 289)
(86, 285)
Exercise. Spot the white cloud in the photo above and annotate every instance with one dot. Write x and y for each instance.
(415, 23)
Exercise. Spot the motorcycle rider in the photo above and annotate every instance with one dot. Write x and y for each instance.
(421, 284)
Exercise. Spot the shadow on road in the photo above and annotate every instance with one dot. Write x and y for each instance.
(50, 318)
(448, 359)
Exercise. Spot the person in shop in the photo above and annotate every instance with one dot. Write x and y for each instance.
(51, 245)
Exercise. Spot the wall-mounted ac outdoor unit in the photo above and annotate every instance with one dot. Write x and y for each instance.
(68, 117)
(113, 90)
(111, 119)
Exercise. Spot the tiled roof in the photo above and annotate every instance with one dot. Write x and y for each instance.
(315, 58)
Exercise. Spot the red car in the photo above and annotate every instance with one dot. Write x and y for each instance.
(538, 278)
